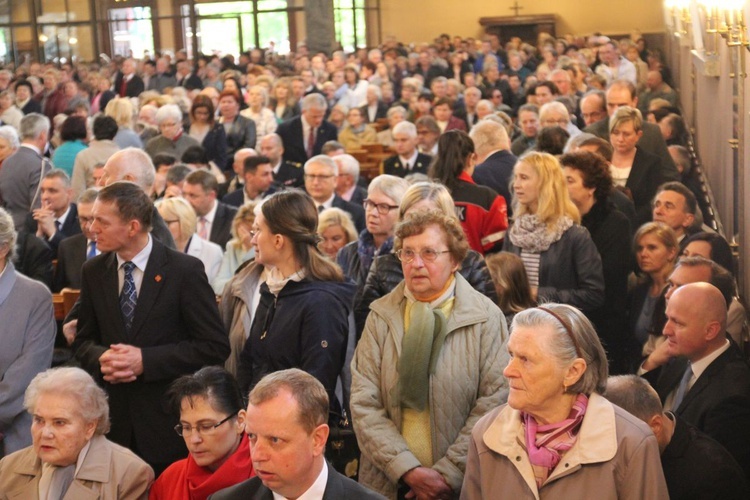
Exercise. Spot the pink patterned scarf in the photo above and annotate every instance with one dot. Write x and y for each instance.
(546, 444)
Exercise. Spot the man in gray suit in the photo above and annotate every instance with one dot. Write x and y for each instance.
(623, 93)
(21, 172)
(291, 406)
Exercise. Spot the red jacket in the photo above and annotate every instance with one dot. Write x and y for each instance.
(482, 212)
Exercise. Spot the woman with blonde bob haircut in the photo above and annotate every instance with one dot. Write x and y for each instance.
(557, 437)
(336, 230)
(182, 222)
(70, 457)
(121, 110)
(560, 258)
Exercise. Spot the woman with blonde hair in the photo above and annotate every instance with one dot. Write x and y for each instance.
(257, 111)
(336, 230)
(282, 102)
(121, 110)
(559, 256)
(239, 249)
(181, 220)
(656, 251)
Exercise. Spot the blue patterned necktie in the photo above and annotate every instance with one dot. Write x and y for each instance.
(128, 296)
(92, 250)
(682, 389)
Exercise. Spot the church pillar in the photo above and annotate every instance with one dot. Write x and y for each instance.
(319, 26)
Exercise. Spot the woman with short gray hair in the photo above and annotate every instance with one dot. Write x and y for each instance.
(70, 457)
(171, 139)
(26, 343)
(9, 142)
(557, 436)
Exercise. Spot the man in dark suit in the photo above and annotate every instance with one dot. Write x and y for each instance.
(285, 173)
(320, 183)
(127, 83)
(186, 77)
(75, 250)
(495, 162)
(147, 315)
(699, 373)
(303, 136)
(695, 466)
(57, 218)
(258, 179)
(347, 182)
(407, 159)
(623, 93)
(293, 405)
(214, 218)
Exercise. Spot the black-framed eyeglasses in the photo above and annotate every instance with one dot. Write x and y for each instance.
(426, 254)
(382, 208)
(204, 429)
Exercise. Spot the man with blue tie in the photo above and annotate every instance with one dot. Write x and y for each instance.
(147, 315)
(77, 249)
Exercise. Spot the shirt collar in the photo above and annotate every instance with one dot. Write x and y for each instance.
(212, 213)
(315, 491)
(63, 217)
(700, 366)
(328, 203)
(411, 160)
(141, 258)
(277, 167)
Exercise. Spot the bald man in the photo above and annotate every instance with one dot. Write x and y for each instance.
(700, 374)
(656, 89)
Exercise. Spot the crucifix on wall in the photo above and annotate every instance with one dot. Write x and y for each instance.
(516, 7)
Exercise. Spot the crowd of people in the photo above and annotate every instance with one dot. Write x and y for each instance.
(522, 302)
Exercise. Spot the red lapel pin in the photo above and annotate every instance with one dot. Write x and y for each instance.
(157, 278)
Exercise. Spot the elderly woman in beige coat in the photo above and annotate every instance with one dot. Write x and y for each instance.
(427, 368)
(70, 458)
(557, 437)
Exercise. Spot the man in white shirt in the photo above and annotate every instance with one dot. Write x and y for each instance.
(699, 373)
(287, 426)
(320, 183)
(613, 66)
(214, 218)
(56, 218)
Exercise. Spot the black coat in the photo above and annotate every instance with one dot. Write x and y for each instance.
(221, 227)
(176, 326)
(71, 255)
(338, 487)
(289, 175)
(294, 144)
(215, 144)
(393, 166)
(306, 326)
(698, 468)
(356, 211)
(33, 106)
(133, 88)
(495, 172)
(33, 258)
(386, 272)
(241, 135)
(645, 178)
(718, 403)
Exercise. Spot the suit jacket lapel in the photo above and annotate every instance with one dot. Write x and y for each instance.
(704, 381)
(334, 489)
(218, 219)
(637, 173)
(153, 278)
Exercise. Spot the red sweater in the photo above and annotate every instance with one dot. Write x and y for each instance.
(482, 212)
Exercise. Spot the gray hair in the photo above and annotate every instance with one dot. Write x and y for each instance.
(168, 111)
(576, 141)
(33, 126)
(396, 110)
(573, 336)
(322, 160)
(10, 134)
(376, 89)
(348, 165)
(8, 234)
(551, 107)
(88, 399)
(58, 173)
(390, 185)
(88, 196)
(488, 136)
(263, 93)
(138, 164)
(313, 101)
(634, 395)
(473, 90)
(407, 128)
(486, 104)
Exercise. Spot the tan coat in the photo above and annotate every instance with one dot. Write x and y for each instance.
(467, 383)
(616, 456)
(109, 472)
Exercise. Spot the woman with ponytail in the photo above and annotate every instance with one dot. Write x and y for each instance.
(301, 320)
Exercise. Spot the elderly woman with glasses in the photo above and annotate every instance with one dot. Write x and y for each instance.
(70, 457)
(212, 423)
(557, 437)
(427, 367)
(172, 139)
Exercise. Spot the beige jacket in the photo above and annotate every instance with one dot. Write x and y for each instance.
(468, 382)
(616, 456)
(109, 472)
